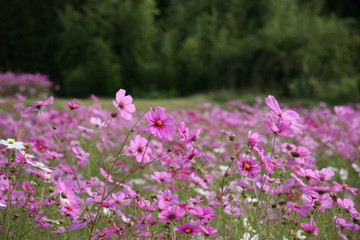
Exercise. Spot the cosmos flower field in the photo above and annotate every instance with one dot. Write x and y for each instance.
(261, 171)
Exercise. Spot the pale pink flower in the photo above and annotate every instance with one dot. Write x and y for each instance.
(324, 174)
(289, 116)
(254, 141)
(138, 147)
(344, 186)
(343, 223)
(348, 205)
(39, 104)
(124, 104)
(203, 212)
(161, 177)
(274, 106)
(302, 209)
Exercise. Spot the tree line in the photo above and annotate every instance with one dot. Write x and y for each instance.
(168, 48)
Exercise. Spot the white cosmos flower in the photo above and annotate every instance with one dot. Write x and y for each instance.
(343, 174)
(12, 144)
(51, 221)
(247, 236)
(299, 234)
(26, 154)
(39, 165)
(2, 205)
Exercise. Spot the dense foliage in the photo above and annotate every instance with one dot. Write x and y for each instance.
(237, 172)
(167, 48)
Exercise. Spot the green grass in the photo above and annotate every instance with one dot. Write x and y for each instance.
(219, 98)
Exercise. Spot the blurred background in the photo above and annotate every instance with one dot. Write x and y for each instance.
(173, 48)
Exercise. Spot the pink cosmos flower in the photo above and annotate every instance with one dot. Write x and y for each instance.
(203, 212)
(161, 177)
(289, 116)
(144, 222)
(138, 147)
(199, 181)
(324, 174)
(167, 196)
(343, 223)
(120, 198)
(248, 166)
(71, 105)
(173, 213)
(106, 175)
(294, 151)
(79, 223)
(188, 228)
(28, 187)
(183, 130)
(72, 211)
(302, 209)
(348, 205)
(190, 155)
(344, 186)
(274, 106)
(161, 124)
(190, 137)
(254, 141)
(163, 205)
(124, 104)
(280, 127)
(207, 230)
(39, 104)
(310, 228)
(317, 201)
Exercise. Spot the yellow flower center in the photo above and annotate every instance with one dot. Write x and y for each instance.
(187, 230)
(345, 185)
(11, 141)
(158, 123)
(247, 166)
(297, 206)
(167, 199)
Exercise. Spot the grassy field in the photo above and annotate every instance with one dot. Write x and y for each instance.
(191, 167)
(190, 102)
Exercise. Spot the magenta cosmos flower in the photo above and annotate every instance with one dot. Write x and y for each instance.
(188, 228)
(124, 104)
(248, 166)
(161, 123)
(171, 214)
(310, 228)
(39, 104)
(72, 105)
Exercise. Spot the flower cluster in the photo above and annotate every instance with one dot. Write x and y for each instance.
(23, 85)
(205, 173)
